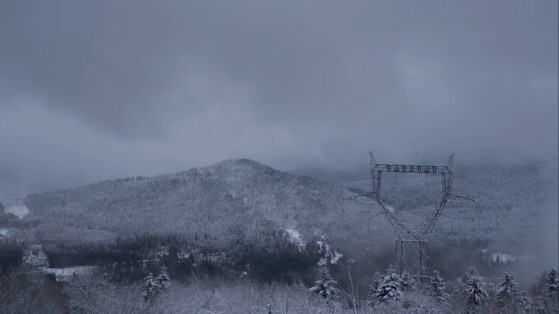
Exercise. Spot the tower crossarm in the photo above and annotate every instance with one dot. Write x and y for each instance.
(411, 168)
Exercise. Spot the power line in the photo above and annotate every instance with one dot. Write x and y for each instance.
(522, 166)
(508, 169)
(487, 117)
(519, 167)
(543, 234)
(544, 213)
(489, 172)
(484, 118)
(551, 170)
(536, 191)
(535, 226)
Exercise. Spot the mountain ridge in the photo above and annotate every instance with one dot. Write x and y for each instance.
(226, 201)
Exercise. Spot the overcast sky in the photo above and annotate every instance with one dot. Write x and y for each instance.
(104, 89)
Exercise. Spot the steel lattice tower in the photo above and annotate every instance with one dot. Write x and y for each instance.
(414, 237)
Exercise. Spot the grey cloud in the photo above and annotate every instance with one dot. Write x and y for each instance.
(290, 83)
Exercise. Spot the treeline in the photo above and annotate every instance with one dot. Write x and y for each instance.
(11, 256)
(389, 292)
(240, 201)
(273, 256)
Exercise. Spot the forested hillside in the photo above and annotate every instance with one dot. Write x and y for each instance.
(234, 200)
(242, 219)
(239, 204)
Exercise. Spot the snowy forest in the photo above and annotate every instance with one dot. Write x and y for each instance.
(239, 236)
(279, 156)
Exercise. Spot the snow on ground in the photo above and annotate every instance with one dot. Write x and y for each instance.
(503, 258)
(65, 274)
(329, 257)
(296, 238)
(500, 258)
(19, 210)
(4, 232)
(336, 257)
(35, 256)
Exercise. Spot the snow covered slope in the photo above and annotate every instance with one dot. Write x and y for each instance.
(232, 200)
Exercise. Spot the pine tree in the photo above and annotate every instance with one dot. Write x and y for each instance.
(325, 285)
(508, 295)
(467, 275)
(155, 286)
(553, 283)
(438, 288)
(390, 287)
(474, 290)
(407, 281)
(163, 281)
(525, 302)
(150, 288)
(540, 305)
(377, 279)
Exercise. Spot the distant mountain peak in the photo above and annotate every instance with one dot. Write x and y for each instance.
(241, 164)
(241, 161)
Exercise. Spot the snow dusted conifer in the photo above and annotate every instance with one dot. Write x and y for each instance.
(474, 290)
(553, 283)
(525, 302)
(508, 295)
(540, 305)
(390, 287)
(149, 288)
(407, 281)
(377, 279)
(325, 285)
(471, 272)
(153, 286)
(163, 281)
(438, 288)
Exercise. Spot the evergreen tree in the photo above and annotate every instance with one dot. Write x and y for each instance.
(474, 290)
(390, 287)
(377, 279)
(153, 286)
(325, 285)
(163, 281)
(467, 275)
(553, 283)
(508, 295)
(525, 302)
(1, 208)
(438, 288)
(150, 288)
(407, 281)
(541, 305)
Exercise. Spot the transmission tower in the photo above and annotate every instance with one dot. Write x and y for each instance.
(414, 237)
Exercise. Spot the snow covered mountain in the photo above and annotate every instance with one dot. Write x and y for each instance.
(232, 200)
(243, 201)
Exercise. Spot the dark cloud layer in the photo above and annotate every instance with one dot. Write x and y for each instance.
(92, 90)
